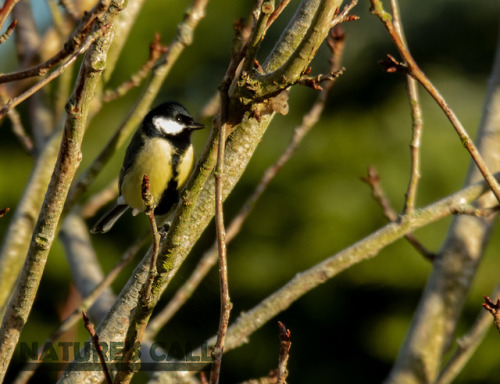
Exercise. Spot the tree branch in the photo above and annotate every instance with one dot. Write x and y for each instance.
(417, 123)
(6, 10)
(250, 321)
(45, 229)
(467, 345)
(414, 70)
(70, 48)
(431, 331)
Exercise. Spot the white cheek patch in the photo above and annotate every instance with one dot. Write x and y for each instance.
(167, 126)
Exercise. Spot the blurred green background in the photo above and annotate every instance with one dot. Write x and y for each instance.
(348, 330)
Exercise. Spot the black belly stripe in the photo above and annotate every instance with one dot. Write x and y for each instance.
(170, 195)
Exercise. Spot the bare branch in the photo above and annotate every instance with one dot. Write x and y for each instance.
(225, 300)
(156, 50)
(47, 223)
(6, 10)
(494, 309)
(373, 180)
(467, 345)
(258, 34)
(70, 48)
(135, 332)
(150, 205)
(89, 326)
(250, 321)
(19, 99)
(87, 303)
(281, 6)
(8, 32)
(417, 123)
(431, 332)
(17, 125)
(285, 345)
(418, 74)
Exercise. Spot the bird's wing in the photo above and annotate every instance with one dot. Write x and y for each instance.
(133, 148)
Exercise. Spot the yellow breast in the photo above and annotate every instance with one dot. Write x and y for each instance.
(185, 167)
(153, 160)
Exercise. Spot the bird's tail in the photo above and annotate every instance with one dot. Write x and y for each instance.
(109, 219)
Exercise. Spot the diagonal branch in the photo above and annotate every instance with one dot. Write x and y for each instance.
(417, 123)
(70, 48)
(252, 320)
(415, 71)
(435, 319)
(56, 73)
(6, 10)
(45, 229)
(8, 32)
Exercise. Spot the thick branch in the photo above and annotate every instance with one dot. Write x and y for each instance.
(45, 229)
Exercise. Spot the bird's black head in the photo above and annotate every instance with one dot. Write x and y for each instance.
(169, 120)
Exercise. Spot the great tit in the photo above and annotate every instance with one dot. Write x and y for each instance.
(161, 149)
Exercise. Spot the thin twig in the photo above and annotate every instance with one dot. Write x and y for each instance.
(100, 199)
(225, 300)
(314, 82)
(257, 35)
(156, 50)
(477, 212)
(367, 248)
(72, 45)
(150, 205)
(17, 125)
(344, 15)
(281, 6)
(417, 122)
(411, 67)
(494, 309)
(6, 10)
(373, 180)
(8, 32)
(42, 83)
(145, 305)
(284, 354)
(467, 345)
(89, 326)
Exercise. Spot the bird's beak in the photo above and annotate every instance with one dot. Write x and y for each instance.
(195, 125)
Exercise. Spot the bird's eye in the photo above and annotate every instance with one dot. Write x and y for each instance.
(178, 118)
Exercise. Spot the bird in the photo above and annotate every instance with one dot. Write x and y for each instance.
(161, 149)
